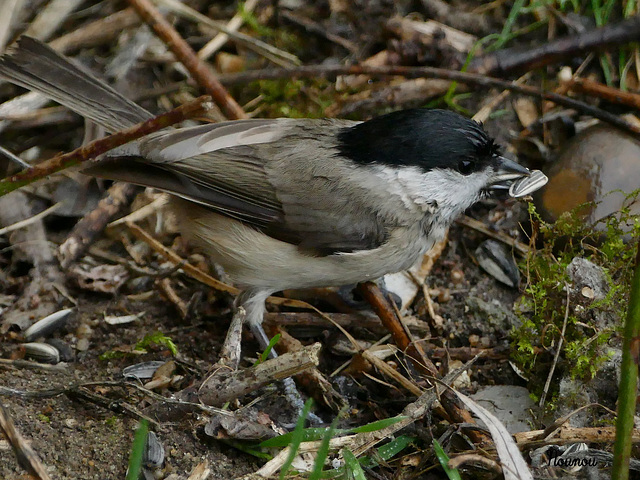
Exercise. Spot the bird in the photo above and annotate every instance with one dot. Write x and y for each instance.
(290, 203)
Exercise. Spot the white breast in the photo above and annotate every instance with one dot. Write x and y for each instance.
(253, 259)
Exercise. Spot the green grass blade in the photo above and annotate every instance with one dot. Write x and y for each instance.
(137, 451)
(308, 435)
(296, 438)
(443, 458)
(387, 451)
(508, 25)
(272, 343)
(247, 448)
(378, 425)
(627, 392)
(353, 469)
(394, 447)
(313, 434)
(323, 451)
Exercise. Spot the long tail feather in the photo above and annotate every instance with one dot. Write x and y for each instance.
(34, 65)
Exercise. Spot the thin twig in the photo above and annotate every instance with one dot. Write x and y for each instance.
(142, 212)
(312, 71)
(98, 147)
(564, 436)
(80, 393)
(10, 155)
(27, 458)
(277, 56)
(98, 32)
(221, 38)
(185, 54)
(92, 224)
(30, 220)
(388, 316)
(482, 115)
(20, 363)
(437, 319)
(317, 29)
(547, 384)
(469, 222)
(164, 285)
(56, 392)
(423, 363)
(610, 94)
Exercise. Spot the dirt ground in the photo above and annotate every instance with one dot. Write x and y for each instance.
(78, 439)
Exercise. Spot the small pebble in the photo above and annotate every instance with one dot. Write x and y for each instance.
(160, 382)
(229, 63)
(588, 292)
(83, 330)
(82, 345)
(564, 75)
(70, 422)
(597, 165)
(457, 276)
(463, 380)
(444, 296)
(165, 370)
(474, 340)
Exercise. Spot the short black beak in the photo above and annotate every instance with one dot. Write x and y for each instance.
(505, 172)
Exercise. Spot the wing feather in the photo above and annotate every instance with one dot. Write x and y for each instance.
(260, 172)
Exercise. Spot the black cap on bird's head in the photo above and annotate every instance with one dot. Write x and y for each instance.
(424, 138)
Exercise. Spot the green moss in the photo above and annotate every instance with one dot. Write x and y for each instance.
(111, 354)
(157, 338)
(112, 421)
(280, 37)
(292, 98)
(611, 245)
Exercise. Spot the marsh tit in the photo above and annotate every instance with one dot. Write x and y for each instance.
(292, 203)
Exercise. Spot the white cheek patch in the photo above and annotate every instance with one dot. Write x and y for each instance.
(454, 192)
(451, 191)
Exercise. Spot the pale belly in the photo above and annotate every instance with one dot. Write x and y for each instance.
(253, 259)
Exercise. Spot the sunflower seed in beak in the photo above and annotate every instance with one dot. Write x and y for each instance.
(529, 184)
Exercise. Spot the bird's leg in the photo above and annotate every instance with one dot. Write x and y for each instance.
(252, 300)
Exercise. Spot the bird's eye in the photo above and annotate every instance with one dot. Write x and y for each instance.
(465, 167)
